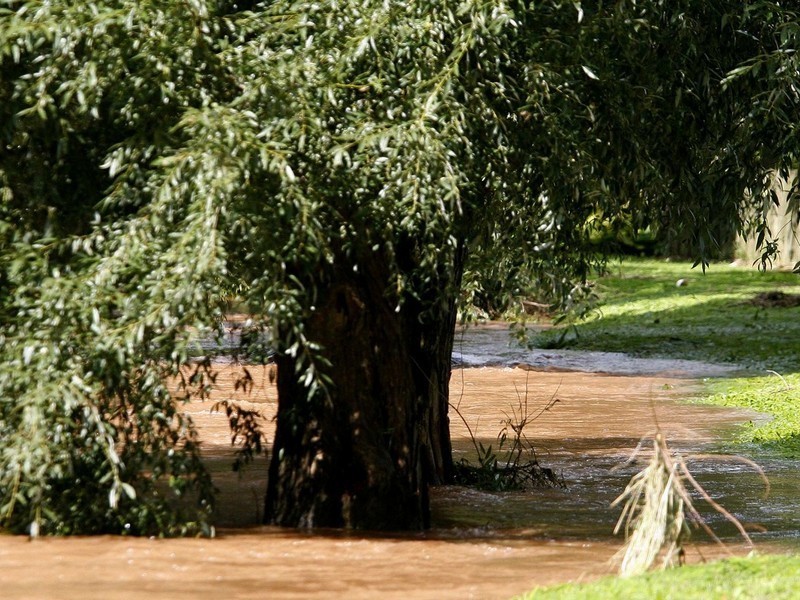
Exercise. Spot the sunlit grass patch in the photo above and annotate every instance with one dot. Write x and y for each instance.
(710, 316)
(773, 577)
(778, 396)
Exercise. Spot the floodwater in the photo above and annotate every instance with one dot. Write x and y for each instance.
(490, 345)
(482, 545)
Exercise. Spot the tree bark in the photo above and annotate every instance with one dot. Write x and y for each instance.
(363, 453)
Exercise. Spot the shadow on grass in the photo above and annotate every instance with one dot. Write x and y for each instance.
(726, 329)
(648, 279)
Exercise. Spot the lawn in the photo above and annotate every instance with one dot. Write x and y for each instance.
(774, 395)
(767, 577)
(714, 316)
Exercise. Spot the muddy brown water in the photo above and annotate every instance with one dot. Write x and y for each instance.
(482, 545)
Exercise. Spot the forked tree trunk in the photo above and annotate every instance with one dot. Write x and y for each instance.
(363, 454)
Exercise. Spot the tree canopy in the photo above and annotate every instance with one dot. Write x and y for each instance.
(324, 161)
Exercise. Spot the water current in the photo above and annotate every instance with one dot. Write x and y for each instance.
(482, 544)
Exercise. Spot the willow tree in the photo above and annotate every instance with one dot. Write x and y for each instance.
(355, 171)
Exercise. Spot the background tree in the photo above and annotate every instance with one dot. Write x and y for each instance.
(353, 170)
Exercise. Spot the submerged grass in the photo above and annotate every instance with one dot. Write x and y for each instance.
(773, 577)
(710, 316)
(658, 508)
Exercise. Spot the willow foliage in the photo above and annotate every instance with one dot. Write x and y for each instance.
(161, 155)
(97, 289)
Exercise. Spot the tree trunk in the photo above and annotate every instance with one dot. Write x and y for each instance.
(363, 452)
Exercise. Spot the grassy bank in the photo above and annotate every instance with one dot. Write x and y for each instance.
(778, 396)
(728, 314)
(716, 316)
(773, 577)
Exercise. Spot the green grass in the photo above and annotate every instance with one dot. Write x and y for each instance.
(768, 577)
(644, 312)
(776, 396)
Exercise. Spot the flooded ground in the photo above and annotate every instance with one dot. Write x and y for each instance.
(490, 345)
(482, 545)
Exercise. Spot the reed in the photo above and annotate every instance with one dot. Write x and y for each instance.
(658, 510)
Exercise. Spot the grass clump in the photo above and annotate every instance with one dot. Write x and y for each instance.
(654, 513)
(712, 316)
(658, 509)
(760, 577)
(777, 396)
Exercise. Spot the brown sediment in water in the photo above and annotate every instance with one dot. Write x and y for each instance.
(482, 545)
